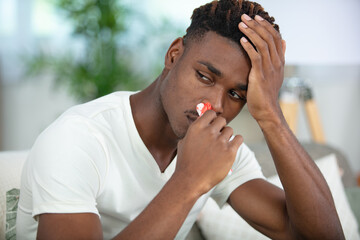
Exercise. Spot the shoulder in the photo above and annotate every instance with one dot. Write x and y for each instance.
(86, 125)
(78, 143)
(94, 108)
(244, 156)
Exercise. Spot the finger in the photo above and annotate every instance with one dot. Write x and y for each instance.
(226, 133)
(218, 124)
(260, 44)
(208, 116)
(266, 43)
(252, 53)
(206, 119)
(236, 142)
(272, 37)
(276, 36)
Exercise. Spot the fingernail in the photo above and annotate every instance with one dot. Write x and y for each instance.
(243, 39)
(247, 17)
(243, 25)
(257, 17)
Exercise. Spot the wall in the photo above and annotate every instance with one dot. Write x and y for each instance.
(337, 93)
(2, 99)
(28, 107)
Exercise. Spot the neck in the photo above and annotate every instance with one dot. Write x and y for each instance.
(153, 126)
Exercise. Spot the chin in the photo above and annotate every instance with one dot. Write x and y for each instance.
(180, 132)
(180, 135)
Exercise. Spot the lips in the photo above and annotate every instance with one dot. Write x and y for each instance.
(191, 118)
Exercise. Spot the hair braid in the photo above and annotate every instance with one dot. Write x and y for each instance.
(223, 17)
(213, 7)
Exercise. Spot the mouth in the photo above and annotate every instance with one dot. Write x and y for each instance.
(191, 118)
(192, 113)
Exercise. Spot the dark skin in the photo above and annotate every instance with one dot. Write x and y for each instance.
(218, 71)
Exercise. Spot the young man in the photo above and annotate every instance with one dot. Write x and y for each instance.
(141, 165)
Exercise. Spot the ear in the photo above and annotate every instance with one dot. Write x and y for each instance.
(174, 52)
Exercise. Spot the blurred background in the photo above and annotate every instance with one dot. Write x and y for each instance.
(58, 53)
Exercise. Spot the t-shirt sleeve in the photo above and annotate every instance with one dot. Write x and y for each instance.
(245, 168)
(66, 168)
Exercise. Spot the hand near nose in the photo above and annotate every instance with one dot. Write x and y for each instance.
(267, 72)
(205, 154)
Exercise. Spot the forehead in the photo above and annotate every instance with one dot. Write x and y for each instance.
(223, 53)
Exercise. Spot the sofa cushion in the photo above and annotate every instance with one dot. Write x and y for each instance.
(315, 150)
(12, 200)
(11, 164)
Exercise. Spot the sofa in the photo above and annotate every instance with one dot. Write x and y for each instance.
(213, 223)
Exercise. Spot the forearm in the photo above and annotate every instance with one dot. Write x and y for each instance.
(309, 202)
(164, 215)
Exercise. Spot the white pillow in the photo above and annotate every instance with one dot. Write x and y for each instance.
(11, 164)
(226, 224)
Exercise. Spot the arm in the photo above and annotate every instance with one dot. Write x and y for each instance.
(195, 175)
(160, 220)
(305, 209)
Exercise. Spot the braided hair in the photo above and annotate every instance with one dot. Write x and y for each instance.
(223, 17)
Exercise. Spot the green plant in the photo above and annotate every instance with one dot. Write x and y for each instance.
(103, 65)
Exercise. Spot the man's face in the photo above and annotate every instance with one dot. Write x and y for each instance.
(214, 69)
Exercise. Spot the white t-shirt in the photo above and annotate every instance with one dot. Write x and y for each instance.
(92, 159)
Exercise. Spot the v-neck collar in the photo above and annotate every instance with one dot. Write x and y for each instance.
(141, 148)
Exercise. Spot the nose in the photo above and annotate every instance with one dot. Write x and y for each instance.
(216, 99)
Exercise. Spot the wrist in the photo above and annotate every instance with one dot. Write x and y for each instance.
(272, 120)
(188, 189)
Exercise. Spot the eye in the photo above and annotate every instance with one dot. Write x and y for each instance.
(236, 96)
(203, 78)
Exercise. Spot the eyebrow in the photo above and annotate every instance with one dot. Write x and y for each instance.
(211, 68)
(242, 87)
(217, 72)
